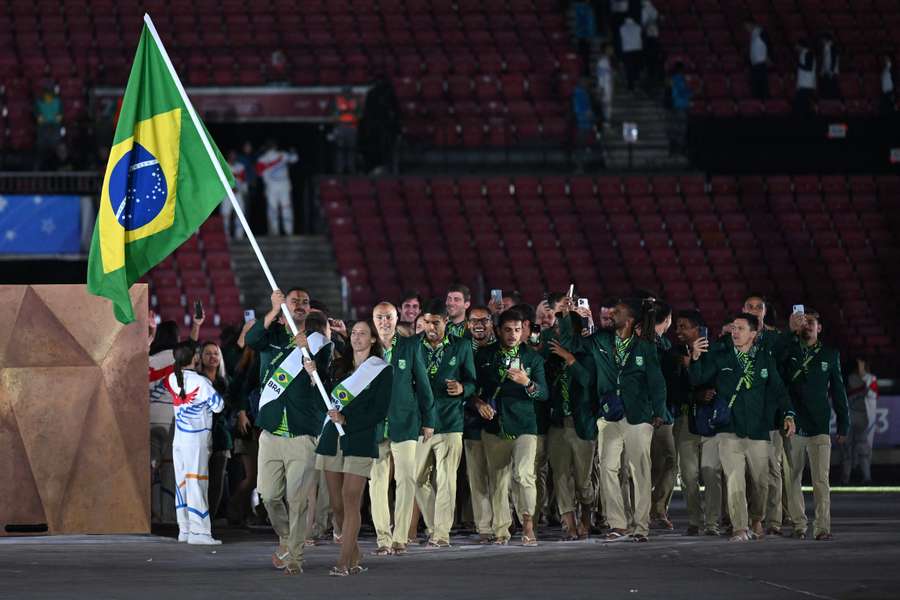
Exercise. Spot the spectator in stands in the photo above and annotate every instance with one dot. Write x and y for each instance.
(887, 86)
(749, 376)
(637, 407)
(277, 71)
(813, 375)
(650, 24)
(632, 50)
(806, 80)
(829, 68)
(347, 460)
(60, 159)
(411, 307)
(862, 393)
(618, 10)
(273, 166)
(605, 85)
(48, 115)
(511, 379)
(212, 367)
(681, 105)
(459, 299)
(585, 32)
(346, 112)
(759, 61)
(379, 127)
(585, 133)
(239, 171)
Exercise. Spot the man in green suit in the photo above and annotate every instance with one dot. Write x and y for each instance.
(746, 375)
(510, 379)
(459, 299)
(812, 372)
(450, 365)
(628, 376)
(410, 417)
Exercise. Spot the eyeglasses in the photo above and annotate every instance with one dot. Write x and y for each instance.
(484, 321)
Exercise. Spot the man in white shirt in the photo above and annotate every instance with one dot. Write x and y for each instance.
(632, 50)
(650, 23)
(829, 68)
(273, 167)
(759, 61)
(239, 171)
(806, 80)
(605, 84)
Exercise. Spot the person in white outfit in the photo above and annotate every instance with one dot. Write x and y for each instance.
(862, 394)
(162, 478)
(273, 167)
(605, 84)
(632, 50)
(195, 401)
(806, 80)
(239, 171)
(887, 86)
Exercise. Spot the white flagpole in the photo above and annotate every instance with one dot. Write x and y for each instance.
(234, 203)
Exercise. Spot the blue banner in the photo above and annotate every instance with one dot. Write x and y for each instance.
(40, 225)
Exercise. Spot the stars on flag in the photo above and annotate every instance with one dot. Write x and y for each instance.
(10, 234)
(3, 203)
(48, 226)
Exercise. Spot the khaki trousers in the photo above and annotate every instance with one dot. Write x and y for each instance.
(404, 457)
(817, 449)
(286, 475)
(743, 457)
(479, 485)
(621, 439)
(541, 462)
(438, 459)
(663, 464)
(510, 464)
(698, 462)
(571, 460)
(322, 509)
(779, 479)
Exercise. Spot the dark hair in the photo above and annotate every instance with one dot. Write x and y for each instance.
(229, 335)
(184, 356)
(166, 337)
(298, 289)
(609, 302)
(436, 306)
(513, 295)
(509, 315)
(462, 289)
(693, 315)
(409, 295)
(648, 311)
(752, 321)
(553, 298)
(478, 307)
(343, 365)
(526, 311)
(319, 306)
(316, 321)
(634, 308)
(663, 311)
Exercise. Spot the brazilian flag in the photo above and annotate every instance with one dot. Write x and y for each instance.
(160, 184)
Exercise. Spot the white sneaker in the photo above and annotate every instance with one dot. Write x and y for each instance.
(203, 539)
(183, 536)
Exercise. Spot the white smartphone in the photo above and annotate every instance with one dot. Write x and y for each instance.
(497, 296)
(799, 309)
(515, 363)
(249, 315)
(583, 303)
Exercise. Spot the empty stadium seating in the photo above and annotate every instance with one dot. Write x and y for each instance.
(827, 241)
(467, 72)
(199, 270)
(709, 36)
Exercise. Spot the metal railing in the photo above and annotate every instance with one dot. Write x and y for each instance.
(82, 183)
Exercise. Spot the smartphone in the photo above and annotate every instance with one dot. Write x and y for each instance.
(515, 363)
(704, 332)
(583, 303)
(249, 315)
(497, 296)
(571, 293)
(198, 310)
(799, 309)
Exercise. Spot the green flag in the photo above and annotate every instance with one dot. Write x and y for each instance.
(160, 184)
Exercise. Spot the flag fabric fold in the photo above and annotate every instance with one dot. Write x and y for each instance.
(159, 186)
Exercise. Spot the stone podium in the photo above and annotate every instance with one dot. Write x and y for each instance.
(74, 440)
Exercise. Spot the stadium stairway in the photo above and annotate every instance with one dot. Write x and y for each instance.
(300, 260)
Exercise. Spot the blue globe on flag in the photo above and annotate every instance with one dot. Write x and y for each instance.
(137, 188)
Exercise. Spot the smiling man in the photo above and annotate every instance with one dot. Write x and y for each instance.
(459, 298)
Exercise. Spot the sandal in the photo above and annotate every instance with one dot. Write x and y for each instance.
(279, 561)
(383, 551)
(616, 535)
(639, 538)
(398, 549)
(338, 572)
(309, 542)
(799, 535)
(529, 542)
(485, 540)
(438, 544)
(292, 568)
(500, 542)
(741, 536)
(338, 539)
(824, 537)
(358, 569)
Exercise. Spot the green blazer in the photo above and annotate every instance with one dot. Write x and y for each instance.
(753, 414)
(301, 400)
(810, 382)
(412, 403)
(268, 342)
(515, 407)
(639, 382)
(365, 416)
(580, 379)
(458, 363)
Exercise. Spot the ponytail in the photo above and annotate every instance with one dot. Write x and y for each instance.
(184, 357)
(648, 319)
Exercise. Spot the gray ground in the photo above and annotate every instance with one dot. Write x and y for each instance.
(862, 562)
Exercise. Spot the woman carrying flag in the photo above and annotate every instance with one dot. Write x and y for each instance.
(360, 398)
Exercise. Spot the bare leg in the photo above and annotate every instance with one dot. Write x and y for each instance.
(335, 482)
(351, 494)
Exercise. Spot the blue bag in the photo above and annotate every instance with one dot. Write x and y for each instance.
(612, 408)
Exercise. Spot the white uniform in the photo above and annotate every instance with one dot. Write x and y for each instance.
(193, 440)
(272, 166)
(240, 194)
(605, 87)
(162, 484)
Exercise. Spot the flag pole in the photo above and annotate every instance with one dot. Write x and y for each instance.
(234, 203)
